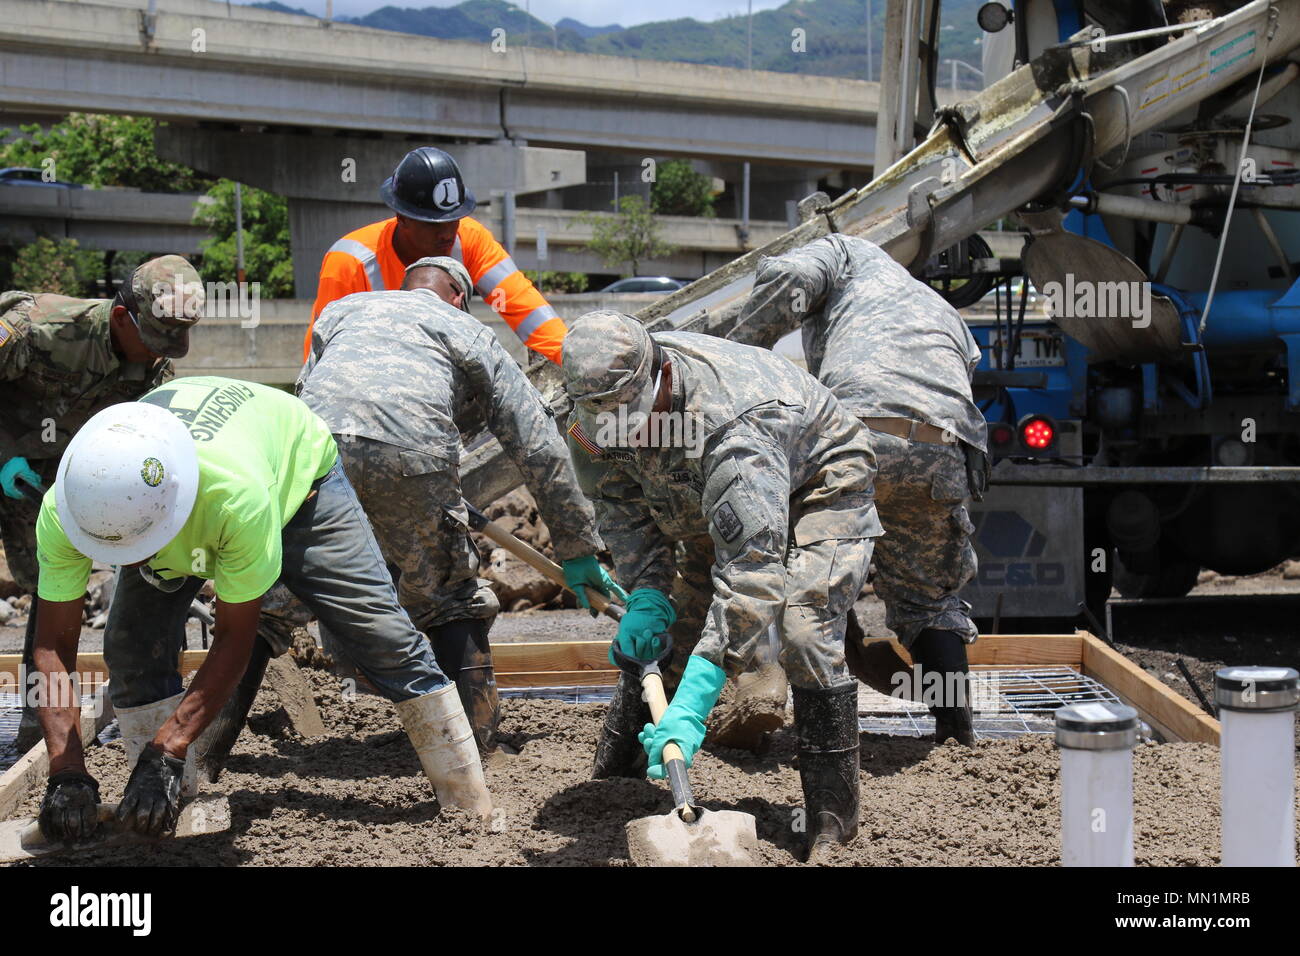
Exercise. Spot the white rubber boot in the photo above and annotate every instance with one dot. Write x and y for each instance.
(441, 735)
(139, 726)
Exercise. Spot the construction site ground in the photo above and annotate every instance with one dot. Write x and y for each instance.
(356, 796)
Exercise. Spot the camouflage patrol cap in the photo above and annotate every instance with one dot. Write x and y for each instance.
(166, 297)
(608, 361)
(453, 268)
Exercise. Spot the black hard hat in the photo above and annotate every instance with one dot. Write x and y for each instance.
(427, 185)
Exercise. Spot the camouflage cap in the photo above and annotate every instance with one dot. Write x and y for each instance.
(166, 297)
(453, 268)
(608, 362)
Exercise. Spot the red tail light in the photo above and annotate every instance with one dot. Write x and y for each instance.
(1037, 432)
(1001, 437)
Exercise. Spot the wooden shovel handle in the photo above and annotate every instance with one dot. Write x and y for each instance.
(653, 686)
(543, 565)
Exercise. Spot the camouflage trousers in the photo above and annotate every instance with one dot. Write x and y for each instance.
(925, 556)
(414, 504)
(823, 579)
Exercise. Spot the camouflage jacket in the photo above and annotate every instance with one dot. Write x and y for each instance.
(885, 343)
(768, 458)
(408, 369)
(57, 364)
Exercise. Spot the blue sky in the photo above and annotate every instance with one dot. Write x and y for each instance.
(596, 13)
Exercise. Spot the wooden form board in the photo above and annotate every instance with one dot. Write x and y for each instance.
(90, 668)
(585, 664)
(993, 651)
(33, 767)
(1168, 712)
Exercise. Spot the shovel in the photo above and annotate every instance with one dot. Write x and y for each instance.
(688, 835)
(535, 559)
(23, 839)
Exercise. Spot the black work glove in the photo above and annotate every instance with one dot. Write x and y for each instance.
(70, 810)
(152, 800)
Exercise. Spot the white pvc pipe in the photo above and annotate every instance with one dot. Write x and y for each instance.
(1150, 210)
(1096, 807)
(1258, 788)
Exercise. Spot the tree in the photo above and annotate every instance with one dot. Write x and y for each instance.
(266, 238)
(550, 281)
(99, 150)
(60, 267)
(679, 190)
(630, 236)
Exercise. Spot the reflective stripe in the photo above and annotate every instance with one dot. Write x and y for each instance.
(366, 256)
(495, 276)
(535, 320)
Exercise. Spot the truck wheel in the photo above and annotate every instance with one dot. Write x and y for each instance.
(1172, 579)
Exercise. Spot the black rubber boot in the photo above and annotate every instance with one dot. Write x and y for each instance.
(213, 747)
(29, 727)
(826, 722)
(944, 653)
(463, 653)
(618, 752)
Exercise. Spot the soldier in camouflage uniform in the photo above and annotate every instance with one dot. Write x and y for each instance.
(765, 481)
(398, 376)
(61, 361)
(900, 358)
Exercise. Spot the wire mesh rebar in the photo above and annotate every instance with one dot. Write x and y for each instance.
(1007, 702)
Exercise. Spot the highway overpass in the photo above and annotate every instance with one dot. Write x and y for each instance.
(320, 112)
(196, 60)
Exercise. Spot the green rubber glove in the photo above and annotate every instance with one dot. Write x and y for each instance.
(648, 614)
(586, 572)
(16, 469)
(683, 721)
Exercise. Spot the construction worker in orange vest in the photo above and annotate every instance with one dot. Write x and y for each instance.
(433, 205)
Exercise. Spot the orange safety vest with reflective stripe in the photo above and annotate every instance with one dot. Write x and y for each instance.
(364, 261)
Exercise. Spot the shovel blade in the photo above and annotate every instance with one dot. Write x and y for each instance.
(716, 838)
(22, 839)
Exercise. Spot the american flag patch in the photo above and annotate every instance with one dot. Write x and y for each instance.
(6, 332)
(581, 438)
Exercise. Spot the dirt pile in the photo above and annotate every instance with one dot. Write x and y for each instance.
(356, 797)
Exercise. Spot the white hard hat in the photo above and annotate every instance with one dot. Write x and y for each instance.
(126, 483)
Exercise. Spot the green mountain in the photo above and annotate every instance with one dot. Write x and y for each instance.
(568, 23)
(833, 42)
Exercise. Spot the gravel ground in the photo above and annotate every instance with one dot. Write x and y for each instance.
(357, 797)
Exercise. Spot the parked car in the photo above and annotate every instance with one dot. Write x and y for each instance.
(31, 176)
(662, 284)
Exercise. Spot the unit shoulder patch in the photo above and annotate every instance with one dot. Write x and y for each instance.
(727, 522)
